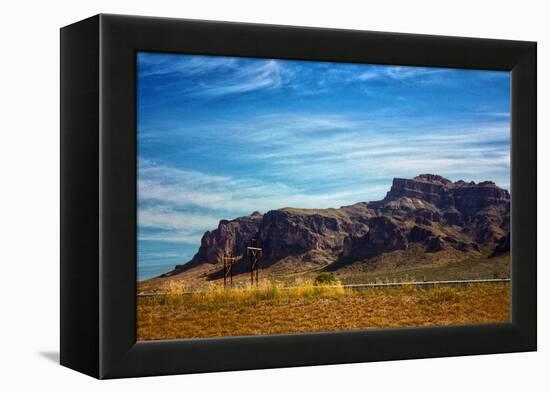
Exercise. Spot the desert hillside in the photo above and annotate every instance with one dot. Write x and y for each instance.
(426, 227)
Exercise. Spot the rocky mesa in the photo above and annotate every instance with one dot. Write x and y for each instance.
(429, 212)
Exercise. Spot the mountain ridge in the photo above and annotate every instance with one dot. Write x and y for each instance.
(428, 212)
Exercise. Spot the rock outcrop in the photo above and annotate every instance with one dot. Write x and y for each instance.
(230, 236)
(462, 197)
(302, 232)
(429, 211)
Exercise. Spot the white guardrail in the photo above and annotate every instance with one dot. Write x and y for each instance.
(392, 285)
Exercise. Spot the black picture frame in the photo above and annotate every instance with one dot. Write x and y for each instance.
(98, 196)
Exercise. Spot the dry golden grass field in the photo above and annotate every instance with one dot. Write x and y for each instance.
(274, 309)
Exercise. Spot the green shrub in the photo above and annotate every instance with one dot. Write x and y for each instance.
(326, 279)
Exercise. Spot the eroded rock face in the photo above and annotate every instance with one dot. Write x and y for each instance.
(436, 192)
(435, 244)
(384, 235)
(230, 236)
(465, 198)
(428, 210)
(420, 234)
(470, 198)
(502, 247)
(453, 217)
(297, 231)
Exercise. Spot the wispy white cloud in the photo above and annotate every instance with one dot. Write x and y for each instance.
(265, 75)
(362, 151)
(231, 76)
(350, 161)
(154, 65)
(504, 115)
(170, 190)
(399, 73)
(158, 255)
(172, 237)
(164, 217)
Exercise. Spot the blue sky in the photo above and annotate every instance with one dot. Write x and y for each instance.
(221, 137)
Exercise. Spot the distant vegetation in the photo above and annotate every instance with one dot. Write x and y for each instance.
(326, 279)
(389, 268)
(216, 296)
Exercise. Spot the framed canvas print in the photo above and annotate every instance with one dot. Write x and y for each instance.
(239, 196)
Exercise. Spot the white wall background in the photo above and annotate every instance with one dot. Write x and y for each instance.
(29, 197)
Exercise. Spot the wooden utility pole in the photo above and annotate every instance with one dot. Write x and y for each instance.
(254, 254)
(228, 260)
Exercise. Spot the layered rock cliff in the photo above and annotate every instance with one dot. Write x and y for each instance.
(230, 236)
(429, 211)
